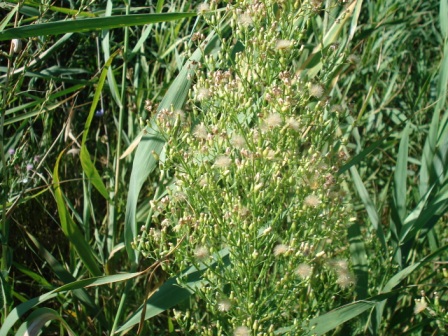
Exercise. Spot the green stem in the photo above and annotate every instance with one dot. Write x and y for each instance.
(128, 287)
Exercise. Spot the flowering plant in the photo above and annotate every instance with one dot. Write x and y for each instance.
(253, 161)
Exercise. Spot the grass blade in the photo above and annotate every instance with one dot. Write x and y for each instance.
(151, 142)
(87, 165)
(400, 176)
(37, 320)
(91, 24)
(171, 293)
(70, 229)
(331, 320)
(8, 18)
(359, 260)
(23, 308)
(370, 207)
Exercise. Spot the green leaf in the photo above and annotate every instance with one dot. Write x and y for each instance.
(400, 176)
(151, 145)
(331, 36)
(90, 24)
(370, 207)
(37, 320)
(69, 227)
(23, 308)
(359, 260)
(425, 215)
(8, 17)
(65, 277)
(171, 293)
(87, 164)
(331, 320)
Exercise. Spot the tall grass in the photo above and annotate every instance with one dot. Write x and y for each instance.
(140, 195)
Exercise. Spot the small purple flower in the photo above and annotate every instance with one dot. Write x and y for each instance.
(99, 113)
(11, 151)
(29, 166)
(37, 158)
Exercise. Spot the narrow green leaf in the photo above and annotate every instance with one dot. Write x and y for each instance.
(159, 6)
(87, 164)
(151, 145)
(37, 320)
(33, 275)
(38, 4)
(91, 24)
(331, 320)
(8, 17)
(400, 177)
(426, 214)
(443, 17)
(403, 274)
(171, 293)
(331, 36)
(363, 154)
(69, 227)
(64, 275)
(359, 260)
(370, 207)
(23, 308)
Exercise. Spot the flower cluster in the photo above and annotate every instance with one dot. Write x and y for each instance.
(254, 167)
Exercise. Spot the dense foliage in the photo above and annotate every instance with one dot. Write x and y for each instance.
(227, 167)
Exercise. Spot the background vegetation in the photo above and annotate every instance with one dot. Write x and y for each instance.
(88, 117)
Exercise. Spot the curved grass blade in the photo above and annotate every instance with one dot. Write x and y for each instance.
(87, 164)
(65, 277)
(69, 227)
(171, 293)
(23, 308)
(151, 145)
(370, 207)
(91, 24)
(330, 37)
(57, 9)
(400, 177)
(37, 320)
(8, 17)
(331, 320)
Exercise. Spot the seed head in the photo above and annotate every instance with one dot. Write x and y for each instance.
(203, 7)
(245, 20)
(223, 161)
(280, 249)
(241, 331)
(224, 305)
(201, 252)
(283, 44)
(304, 271)
(345, 279)
(200, 131)
(238, 141)
(312, 201)
(202, 94)
(293, 124)
(316, 90)
(273, 120)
